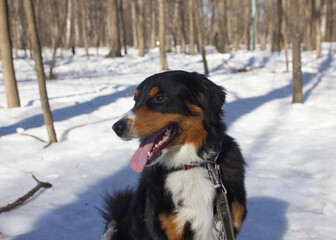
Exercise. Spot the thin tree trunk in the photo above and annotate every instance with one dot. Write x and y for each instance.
(12, 93)
(248, 22)
(48, 120)
(329, 21)
(200, 37)
(16, 34)
(236, 13)
(284, 30)
(115, 50)
(153, 25)
(191, 30)
(134, 23)
(296, 52)
(318, 28)
(183, 23)
(222, 36)
(84, 29)
(164, 63)
(124, 38)
(58, 37)
(141, 28)
(276, 34)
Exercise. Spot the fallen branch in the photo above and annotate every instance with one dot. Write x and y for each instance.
(29, 135)
(22, 199)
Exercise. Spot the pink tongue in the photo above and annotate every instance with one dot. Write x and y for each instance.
(139, 159)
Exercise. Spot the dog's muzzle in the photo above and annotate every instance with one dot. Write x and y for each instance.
(120, 127)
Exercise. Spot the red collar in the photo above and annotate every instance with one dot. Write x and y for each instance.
(187, 167)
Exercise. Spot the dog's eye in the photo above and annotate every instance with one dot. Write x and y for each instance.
(160, 98)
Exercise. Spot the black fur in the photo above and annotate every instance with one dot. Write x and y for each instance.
(134, 213)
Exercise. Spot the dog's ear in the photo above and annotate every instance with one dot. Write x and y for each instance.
(211, 98)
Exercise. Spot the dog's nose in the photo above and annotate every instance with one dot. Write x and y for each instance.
(119, 127)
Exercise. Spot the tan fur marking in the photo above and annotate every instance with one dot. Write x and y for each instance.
(169, 225)
(154, 91)
(136, 93)
(146, 123)
(237, 214)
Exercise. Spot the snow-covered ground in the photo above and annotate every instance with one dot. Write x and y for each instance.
(290, 149)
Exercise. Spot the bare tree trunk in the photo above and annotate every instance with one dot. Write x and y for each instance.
(222, 40)
(318, 28)
(69, 23)
(200, 37)
(191, 30)
(248, 22)
(134, 23)
(284, 30)
(16, 29)
(309, 37)
(12, 93)
(266, 23)
(84, 28)
(115, 50)
(329, 21)
(48, 120)
(182, 16)
(141, 28)
(276, 33)
(236, 14)
(124, 35)
(153, 24)
(164, 64)
(296, 52)
(257, 22)
(58, 36)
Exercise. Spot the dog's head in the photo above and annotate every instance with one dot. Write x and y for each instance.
(177, 115)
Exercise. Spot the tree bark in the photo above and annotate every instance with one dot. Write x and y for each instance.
(12, 93)
(296, 52)
(200, 37)
(48, 120)
(141, 28)
(222, 36)
(182, 16)
(115, 50)
(329, 21)
(164, 63)
(248, 22)
(191, 30)
(318, 28)
(236, 15)
(84, 28)
(134, 23)
(124, 35)
(284, 30)
(276, 33)
(58, 36)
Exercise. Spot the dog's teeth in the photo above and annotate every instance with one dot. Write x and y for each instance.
(168, 132)
(165, 138)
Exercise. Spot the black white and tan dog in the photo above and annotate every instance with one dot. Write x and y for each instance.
(177, 116)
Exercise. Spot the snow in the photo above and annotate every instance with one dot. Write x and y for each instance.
(290, 148)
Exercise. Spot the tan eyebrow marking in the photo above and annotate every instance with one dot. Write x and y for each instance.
(154, 91)
(136, 93)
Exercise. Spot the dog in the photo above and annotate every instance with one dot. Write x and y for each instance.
(177, 116)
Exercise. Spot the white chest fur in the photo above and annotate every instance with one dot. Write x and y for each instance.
(193, 194)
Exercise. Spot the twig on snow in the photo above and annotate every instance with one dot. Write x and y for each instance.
(29, 135)
(22, 199)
